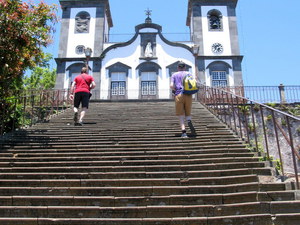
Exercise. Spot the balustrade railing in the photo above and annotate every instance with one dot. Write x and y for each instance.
(268, 94)
(29, 107)
(272, 133)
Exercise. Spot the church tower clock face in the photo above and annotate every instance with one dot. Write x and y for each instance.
(217, 48)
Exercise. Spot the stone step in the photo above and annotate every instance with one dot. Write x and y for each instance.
(141, 190)
(71, 130)
(139, 135)
(116, 147)
(111, 201)
(160, 211)
(147, 168)
(129, 162)
(131, 174)
(124, 141)
(92, 146)
(254, 219)
(127, 182)
(95, 157)
(122, 151)
(113, 152)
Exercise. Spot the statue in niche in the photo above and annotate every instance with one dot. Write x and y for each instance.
(148, 50)
(82, 23)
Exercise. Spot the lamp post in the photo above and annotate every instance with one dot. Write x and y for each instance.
(88, 52)
(195, 50)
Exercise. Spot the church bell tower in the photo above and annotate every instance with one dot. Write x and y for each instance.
(213, 27)
(85, 28)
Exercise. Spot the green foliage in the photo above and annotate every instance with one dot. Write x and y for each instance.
(269, 117)
(40, 77)
(244, 109)
(251, 127)
(277, 163)
(25, 29)
(256, 107)
(260, 147)
(271, 104)
(283, 122)
(252, 146)
(11, 114)
(295, 111)
(266, 158)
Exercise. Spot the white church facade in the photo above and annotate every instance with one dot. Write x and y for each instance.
(141, 67)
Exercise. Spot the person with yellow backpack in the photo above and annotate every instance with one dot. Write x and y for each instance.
(184, 85)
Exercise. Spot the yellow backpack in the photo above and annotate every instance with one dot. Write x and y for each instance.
(190, 85)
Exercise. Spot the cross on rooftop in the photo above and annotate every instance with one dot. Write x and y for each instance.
(148, 12)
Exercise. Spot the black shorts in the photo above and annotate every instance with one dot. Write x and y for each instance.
(83, 98)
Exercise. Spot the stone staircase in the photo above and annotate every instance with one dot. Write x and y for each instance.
(128, 166)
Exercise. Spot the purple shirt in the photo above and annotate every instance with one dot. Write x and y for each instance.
(176, 79)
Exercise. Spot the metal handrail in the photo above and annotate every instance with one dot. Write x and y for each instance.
(30, 107)
(259, 125)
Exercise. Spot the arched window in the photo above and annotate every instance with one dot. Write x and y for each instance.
(118, 74)
(215, 20)
(82, 22)
(219, 72)
(148, 72)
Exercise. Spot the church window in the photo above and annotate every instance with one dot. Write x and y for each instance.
(118, 83)
(219, 78)
(148, 87)
(82, 22)
(118, 88)
(215, 20)
(148, 83)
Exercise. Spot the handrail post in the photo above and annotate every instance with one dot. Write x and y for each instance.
(32, 108)
(254, 125)
(246, 121)
(14, 114)
(264, 131)
(293, 152)
(277, 141)
(233, 114)
(239, 117)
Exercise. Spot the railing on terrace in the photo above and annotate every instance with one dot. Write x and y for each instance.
(124, 37)
(30, 107)
(132, 94)
(263, 94)
(273, 133)
(268, 94)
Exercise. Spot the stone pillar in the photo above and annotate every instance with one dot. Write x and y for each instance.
(282, 94)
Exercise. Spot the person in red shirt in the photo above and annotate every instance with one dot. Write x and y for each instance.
(81, 86)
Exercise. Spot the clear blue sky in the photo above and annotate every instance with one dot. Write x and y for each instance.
(269, 33)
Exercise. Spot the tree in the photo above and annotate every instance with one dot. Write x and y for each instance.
(41, 77)
(25, 29)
